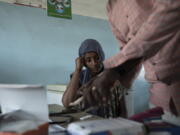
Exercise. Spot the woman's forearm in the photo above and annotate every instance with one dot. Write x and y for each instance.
(70, 94)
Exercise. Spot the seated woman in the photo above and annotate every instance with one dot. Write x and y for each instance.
(91, 56)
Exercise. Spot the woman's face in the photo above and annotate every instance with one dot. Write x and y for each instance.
(92, 61)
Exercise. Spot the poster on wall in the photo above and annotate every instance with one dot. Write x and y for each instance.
(59, 8)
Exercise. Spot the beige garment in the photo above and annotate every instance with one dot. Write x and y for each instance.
(150, 29)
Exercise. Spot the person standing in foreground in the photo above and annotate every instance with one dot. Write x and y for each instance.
(148, 32)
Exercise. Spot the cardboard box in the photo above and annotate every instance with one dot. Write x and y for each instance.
(42, 130)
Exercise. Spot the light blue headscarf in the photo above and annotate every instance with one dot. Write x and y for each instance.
(90, 45)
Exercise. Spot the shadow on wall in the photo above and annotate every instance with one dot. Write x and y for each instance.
(8, 76)
(25, 74)
(141, 95)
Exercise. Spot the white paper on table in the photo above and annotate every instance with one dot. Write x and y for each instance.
(115, 126)
(29, 98)
(171, 118)
(56, 130)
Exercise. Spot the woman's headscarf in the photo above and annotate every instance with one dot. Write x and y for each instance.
(91, 45)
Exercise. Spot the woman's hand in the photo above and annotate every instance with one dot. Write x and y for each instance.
(97, 90)
(79, 63)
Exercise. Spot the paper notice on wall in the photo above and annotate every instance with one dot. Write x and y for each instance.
(31, 3)
(59, 8)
